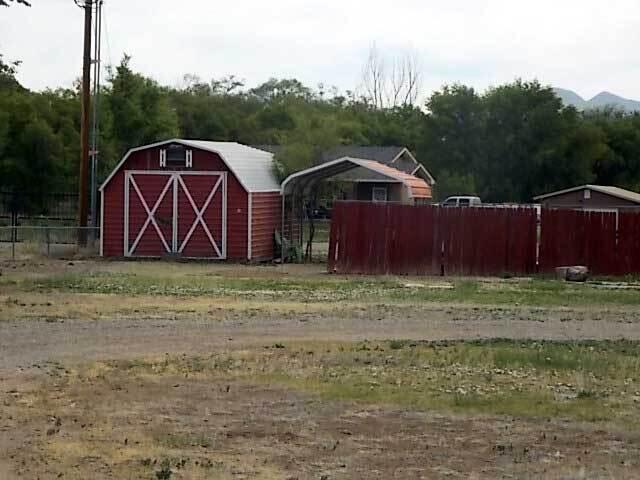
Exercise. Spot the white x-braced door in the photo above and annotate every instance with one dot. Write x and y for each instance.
(175, 213)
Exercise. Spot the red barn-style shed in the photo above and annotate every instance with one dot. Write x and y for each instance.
(191, 199)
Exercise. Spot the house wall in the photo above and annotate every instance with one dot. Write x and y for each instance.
(364, 191)
(576, 200)
(149, 159)
(266, 218)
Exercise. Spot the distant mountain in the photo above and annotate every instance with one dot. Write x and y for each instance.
(603, 99)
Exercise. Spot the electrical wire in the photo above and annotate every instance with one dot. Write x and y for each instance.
(106, 33)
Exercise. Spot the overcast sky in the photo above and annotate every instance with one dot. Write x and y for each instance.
(584, 45)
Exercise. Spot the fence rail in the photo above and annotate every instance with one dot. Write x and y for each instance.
(38, 204)
(373, 238)
(16, 241)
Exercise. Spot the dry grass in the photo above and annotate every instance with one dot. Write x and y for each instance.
(315, 409)
(585, 381)
(60, 306)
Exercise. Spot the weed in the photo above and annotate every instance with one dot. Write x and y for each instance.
(397, 344)
(165, 471)
(179, 441)
(583, 394)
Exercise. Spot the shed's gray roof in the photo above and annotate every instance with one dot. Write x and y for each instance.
(607, 190)
(252, 167)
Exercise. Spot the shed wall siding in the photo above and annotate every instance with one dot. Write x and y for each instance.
(576, 200)
(237, 200)
(113, 222)
(266, 219)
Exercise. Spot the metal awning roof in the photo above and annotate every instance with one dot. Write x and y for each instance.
(302, 180)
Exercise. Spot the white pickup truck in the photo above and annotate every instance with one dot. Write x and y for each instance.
(462, 201)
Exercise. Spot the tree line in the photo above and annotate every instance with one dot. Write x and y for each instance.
(507, 144)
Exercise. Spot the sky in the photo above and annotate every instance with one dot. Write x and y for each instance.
(584, 45)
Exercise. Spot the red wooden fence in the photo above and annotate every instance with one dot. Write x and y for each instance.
(628, 248)
(487, 241)
(382, 238)
(607, 242)
(372, 238)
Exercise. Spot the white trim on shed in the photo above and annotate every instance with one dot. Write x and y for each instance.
(250, 228)
(101, 224)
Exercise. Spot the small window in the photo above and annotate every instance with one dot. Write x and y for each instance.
(379, 194)
(464, 202)
(587, 194)
(176, 156)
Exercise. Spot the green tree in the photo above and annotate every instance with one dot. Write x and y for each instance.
(8, 73)
(140, 109)
(278, 88)
(454, 184)
(620, 164)
(452, 143)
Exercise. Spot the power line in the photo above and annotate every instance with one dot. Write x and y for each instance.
(83, 177)
(106, 35)
(97, 65)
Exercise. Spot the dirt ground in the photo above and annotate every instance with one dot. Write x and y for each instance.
(62, 417)
(98, 429)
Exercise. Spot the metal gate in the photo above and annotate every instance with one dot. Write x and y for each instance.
(175, 214)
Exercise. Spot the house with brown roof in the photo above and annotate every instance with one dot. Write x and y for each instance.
(396, 157)
(389, 184)
(369, 173)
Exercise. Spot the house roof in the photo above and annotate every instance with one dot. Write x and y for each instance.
(387, 155)
(252, 167)
(617, 192)
(384, 155)
(418, 187)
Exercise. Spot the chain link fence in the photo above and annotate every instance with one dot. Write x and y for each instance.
(36, 223)
(18, 242)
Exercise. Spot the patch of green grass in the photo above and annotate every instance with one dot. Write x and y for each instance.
(179, 441)
(331, 288)
(491, 378)
(586, 381)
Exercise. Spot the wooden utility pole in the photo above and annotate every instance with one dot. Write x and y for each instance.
(83, 193)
